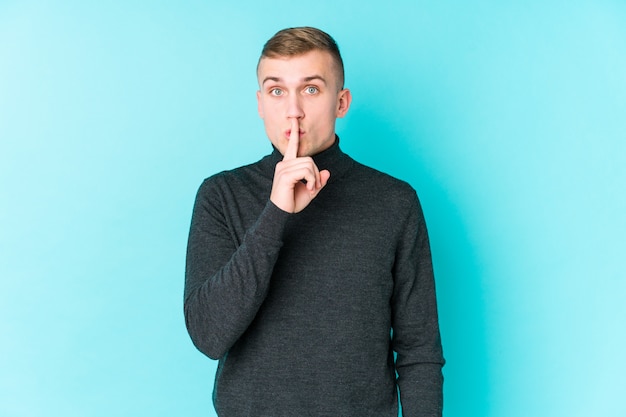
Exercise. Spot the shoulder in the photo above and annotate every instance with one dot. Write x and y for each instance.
(234, 173)
(383, 185)
(235, 177)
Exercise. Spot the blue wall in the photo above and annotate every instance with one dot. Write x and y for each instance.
(509, 119)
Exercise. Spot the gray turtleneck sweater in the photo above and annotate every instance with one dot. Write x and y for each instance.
(305, 311)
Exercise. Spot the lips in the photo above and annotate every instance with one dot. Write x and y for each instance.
(288, 133)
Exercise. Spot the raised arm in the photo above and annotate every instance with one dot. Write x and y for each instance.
(226, 281)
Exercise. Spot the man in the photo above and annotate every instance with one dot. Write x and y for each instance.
(306, 270)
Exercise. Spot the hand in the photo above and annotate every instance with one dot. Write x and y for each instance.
(289, 192)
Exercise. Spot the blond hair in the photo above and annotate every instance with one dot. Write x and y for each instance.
(300, 40)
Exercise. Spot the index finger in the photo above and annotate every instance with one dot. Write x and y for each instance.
(294, 139)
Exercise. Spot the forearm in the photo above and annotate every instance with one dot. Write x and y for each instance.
(421, 385)
(225, 284)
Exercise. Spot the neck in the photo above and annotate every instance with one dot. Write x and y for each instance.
(332, 159)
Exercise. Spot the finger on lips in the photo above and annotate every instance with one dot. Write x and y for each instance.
(294, 138)
(311, 175)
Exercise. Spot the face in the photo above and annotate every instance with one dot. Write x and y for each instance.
(306, 88)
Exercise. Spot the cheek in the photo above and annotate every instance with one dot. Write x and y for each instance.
(273, 119)
(321, 111)
(272, 123)
(271, 111)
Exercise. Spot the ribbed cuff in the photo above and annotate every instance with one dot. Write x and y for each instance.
(271, 222)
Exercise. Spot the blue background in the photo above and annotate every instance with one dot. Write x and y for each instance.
(508, 118)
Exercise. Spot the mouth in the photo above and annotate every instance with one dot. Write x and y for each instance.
(288, 133)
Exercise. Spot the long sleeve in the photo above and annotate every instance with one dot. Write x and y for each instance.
(227, 278)
(416, 337)
(299, 307)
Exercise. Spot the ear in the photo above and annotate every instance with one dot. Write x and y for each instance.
(343, 102)
(259, 104)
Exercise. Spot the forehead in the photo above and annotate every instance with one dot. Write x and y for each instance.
(291, 68)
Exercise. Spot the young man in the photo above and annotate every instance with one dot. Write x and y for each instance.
(306, 270)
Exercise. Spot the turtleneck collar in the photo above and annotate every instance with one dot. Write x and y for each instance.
(332, 159)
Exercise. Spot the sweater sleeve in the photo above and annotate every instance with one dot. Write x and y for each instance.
(416, 338)
(226, 282)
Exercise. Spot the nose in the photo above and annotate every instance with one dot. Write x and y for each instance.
(294, 107)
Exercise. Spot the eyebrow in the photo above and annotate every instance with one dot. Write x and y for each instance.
(305, 79)
(314, 77)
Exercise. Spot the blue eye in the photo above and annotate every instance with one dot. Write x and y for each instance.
(276, 92)
(311, 90)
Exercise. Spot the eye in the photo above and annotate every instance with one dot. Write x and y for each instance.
(276, 92)
(311, 90)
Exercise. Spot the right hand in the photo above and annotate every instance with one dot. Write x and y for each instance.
(289, 192)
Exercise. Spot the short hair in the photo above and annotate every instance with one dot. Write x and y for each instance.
(300, 40)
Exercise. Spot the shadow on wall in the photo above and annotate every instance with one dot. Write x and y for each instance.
(374, 138)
